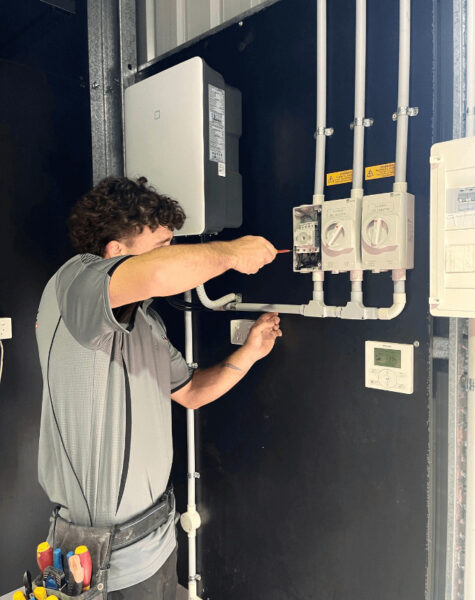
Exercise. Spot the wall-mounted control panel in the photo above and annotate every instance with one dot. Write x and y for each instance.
(389, 366)
(452, 229)
(306, 224)
(341, 232)
(387, 232)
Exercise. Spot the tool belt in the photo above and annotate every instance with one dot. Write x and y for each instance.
(102, 541)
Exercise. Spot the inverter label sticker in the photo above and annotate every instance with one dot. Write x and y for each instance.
(217, 130)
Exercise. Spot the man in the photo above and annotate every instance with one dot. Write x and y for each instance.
(109, 370)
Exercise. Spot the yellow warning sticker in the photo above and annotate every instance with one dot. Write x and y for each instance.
(380, 171)
(340, 177)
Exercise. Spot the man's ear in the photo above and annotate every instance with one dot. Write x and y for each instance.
(114, 248)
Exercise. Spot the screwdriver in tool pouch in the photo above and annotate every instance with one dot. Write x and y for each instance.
(86, 564)
(57, 559)
(40, 593)
(76, 575)
(44, 556)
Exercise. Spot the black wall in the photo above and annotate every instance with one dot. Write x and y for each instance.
(313, 486)
(45, 165)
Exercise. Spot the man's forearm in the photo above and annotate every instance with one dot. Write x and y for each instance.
(210, 384)
(168, 271)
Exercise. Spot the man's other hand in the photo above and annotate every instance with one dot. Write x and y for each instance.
(262, 336)
(250, 253)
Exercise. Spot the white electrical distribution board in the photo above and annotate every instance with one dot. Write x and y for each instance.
(341, 235)
(182, 130)
(387, 231)
(390, 366)
(452, 229)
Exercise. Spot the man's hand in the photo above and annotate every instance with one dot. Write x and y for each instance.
(209, 384)
(250, 253)
(262, 336)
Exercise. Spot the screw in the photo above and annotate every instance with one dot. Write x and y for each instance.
(416, 344)
(95, 85)
(240, 23)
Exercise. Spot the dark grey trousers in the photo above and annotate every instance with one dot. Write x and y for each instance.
(161, 586)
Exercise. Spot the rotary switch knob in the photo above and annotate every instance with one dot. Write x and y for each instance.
(377, 232)
(335, 236)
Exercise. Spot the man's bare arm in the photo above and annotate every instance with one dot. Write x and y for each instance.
(210, 384)
(174, 269)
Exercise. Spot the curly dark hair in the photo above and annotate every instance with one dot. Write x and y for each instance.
(119, 208)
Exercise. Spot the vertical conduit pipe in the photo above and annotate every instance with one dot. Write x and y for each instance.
(321, 101)
(403, 94)
(400, 180)
(190, 431)
(317, 307)
(355, 309)
(360, 84)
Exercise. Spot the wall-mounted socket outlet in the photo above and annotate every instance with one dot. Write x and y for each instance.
(240, 330)
(5, 328)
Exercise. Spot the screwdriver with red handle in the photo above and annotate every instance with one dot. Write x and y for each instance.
(86, 564)
(44, 556)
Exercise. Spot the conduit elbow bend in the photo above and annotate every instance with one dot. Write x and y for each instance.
(391, 312)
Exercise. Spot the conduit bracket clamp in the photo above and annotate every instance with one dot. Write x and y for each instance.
(410, 111)
(328, 131)
(194, 577)
(192, 365)
(365, 122)
(194, 475)
(470, 385)
(470, 111)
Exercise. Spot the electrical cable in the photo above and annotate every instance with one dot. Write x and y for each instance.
(182, 305)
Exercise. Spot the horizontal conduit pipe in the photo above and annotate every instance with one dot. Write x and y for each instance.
(288, 309)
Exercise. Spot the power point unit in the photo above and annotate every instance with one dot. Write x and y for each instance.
(452, 229)
(182, 130)
(307, 254)
(240, 329)
(341, 233)
(5, 329)
(387, 231)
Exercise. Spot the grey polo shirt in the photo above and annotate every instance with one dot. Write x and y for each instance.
(105, 449)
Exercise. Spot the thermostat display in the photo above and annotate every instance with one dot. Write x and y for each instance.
(390, 367)
(387, 358)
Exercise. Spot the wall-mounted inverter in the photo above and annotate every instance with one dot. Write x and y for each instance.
(182, 130)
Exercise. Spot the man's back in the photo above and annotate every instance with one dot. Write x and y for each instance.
(105, 441)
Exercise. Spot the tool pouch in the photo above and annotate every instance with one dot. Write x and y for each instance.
(99, 543)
